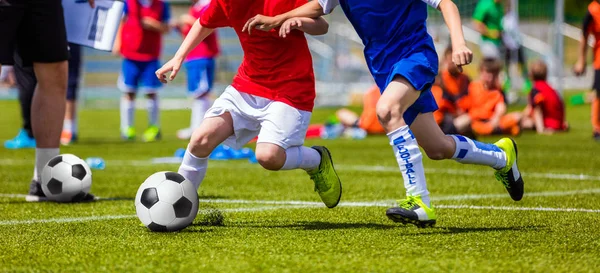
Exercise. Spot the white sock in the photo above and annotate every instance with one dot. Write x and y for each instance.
(127, 113)
(410, 160)
(301, 157)
(68, 125)
(199, 108)
(469, 151)
(42, 156)
(153, 111)
(193, 168)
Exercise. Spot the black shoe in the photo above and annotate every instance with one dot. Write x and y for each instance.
(86, 198)
(35, 193)
(597, 136)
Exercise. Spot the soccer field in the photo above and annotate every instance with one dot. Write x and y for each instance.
(253, 220)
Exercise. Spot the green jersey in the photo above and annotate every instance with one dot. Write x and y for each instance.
(490, 13)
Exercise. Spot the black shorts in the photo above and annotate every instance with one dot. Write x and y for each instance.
(596, 86)
(508, 57)
(35, 29)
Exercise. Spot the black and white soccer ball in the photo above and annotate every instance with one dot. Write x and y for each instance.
(166, 201)
(66, 178)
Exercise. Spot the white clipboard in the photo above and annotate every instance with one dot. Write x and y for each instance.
(93, 27)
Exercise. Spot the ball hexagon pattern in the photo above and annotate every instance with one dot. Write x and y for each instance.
(166, 201)
(66, 178)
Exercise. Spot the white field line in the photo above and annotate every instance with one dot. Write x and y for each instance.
(386, 202)
(359, 168)
(365, 204)
(125, 216)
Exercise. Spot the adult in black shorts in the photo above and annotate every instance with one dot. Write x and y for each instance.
(36, 30)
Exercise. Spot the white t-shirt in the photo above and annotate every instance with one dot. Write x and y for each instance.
(329, 5)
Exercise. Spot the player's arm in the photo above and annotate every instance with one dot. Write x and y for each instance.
(499, 111)
(155, 25)
(317, 26)
(581, 64)
(312, 9)
(196, 35)
(461, 54)
(117, 43)
(538, 119)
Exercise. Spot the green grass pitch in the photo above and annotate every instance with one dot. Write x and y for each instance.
(248, 224)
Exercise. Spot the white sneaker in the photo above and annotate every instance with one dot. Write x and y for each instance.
(185, 133)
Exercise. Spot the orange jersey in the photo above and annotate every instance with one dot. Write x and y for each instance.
(456, 88)
(482, 101)
(445, 106)
(591, 26)
(368, 120)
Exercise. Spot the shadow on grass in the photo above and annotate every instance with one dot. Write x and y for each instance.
(458, 230)
(318, 225)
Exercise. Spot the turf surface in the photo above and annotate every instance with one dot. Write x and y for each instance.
(556, 228)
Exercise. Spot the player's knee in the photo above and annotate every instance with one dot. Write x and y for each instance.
(388, 112)
(270, 159)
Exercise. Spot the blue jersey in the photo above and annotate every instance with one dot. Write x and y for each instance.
(391, 31)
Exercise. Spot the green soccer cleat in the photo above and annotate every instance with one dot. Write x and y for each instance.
(152, 134)
(510, 176)
(327, 182)
(128, 134)
(412, 210)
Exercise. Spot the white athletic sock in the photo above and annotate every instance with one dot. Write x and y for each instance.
(301, 157)
(199, 108)
(193, 168)
(153, 111)
(42, 156)
(68, 125)
(410, 160)
(469, 151)
(127, 113)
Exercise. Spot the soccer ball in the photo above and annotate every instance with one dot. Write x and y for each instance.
(166, 201)
(66, 178)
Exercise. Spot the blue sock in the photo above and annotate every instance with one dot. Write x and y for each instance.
(469, 151)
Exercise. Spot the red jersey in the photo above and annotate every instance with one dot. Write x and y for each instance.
(553, 108)
(209, 48)
(275, 68)
(137, 43)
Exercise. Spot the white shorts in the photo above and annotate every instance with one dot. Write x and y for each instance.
(272, 121)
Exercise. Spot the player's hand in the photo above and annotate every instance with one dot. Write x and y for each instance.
(92, 3)
(579, 68)
(261, 22)
(173, 66)
(461, 55)
(289, 25)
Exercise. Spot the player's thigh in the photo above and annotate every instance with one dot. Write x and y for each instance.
(11, 16)
(130, 75)
(148, 81)
(347, 117)
(283, 125)
(43, 37)
(429, 135)
(212, 131)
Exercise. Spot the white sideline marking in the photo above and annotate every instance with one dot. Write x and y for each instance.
(125, 216)
(358, 168)
(387, 202)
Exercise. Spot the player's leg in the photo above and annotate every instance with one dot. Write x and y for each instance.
(510, 123)
(69, 133)
(280, 147)
(205, 138)
(128, 83)
(26, 82)
(392, 107)
(347, 117)
(200, 78)
(502, 156)
(596, 106)
(150, 85)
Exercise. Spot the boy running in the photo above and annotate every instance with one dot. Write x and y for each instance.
(402, 58)
(271, 97)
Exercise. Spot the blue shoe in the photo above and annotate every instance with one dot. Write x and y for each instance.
(21, 141)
